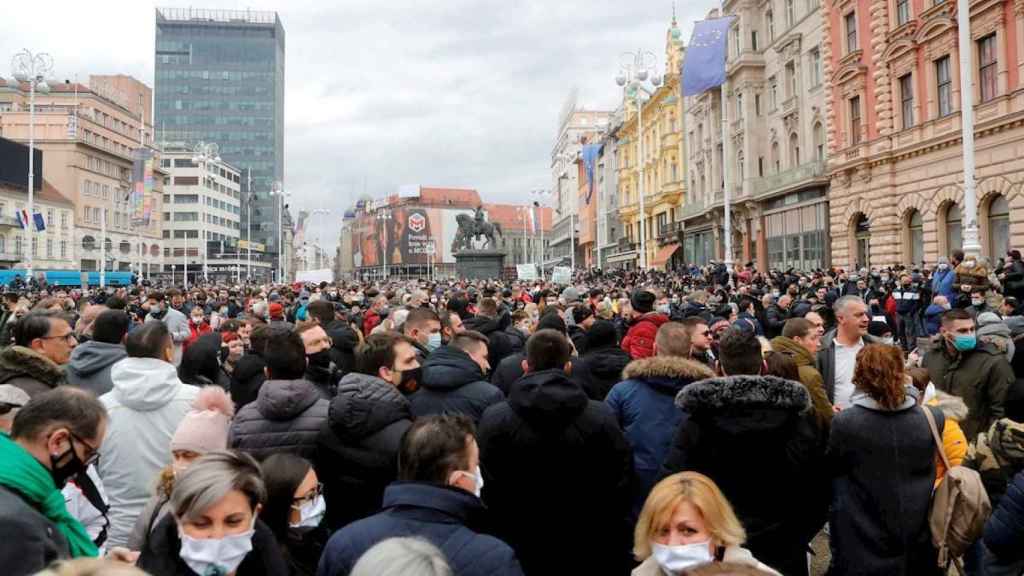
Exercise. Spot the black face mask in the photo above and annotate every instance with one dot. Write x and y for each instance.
(320, 360)
(410, 381)
(62, 473)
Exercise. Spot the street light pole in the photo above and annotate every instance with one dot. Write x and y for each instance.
(248, 227)
(278, 190)
(31, 68)
(384, 215)
(634, 69)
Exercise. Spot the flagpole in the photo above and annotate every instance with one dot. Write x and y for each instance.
(727, 197)
(971, 242)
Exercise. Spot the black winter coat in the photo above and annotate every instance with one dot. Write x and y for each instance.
(452, 383)
(507, 371)
(287, 416)
(553, 462)
(160, 555)
(357, 452)
(774, 319)
(883, 466)
(31, 542)
(756, 437)
(444, 516)
(600, 369)
(247, 379)
(343, 349)
(1004, 530)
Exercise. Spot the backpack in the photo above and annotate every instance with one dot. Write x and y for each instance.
(959, 508)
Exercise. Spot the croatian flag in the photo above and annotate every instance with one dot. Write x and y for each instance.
(23, 218)
(704, 64)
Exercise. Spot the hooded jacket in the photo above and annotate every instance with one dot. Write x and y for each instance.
(993, 330)
(286, 417)
(247, 379)
(554, 461)
(981, 377)
(644, 405)
(883, 467)
(447, 517)
(452, 383)
(809, 377)
(743, 425)
(933, 318)
(90, 365)
(29, 370)
(639, 340)
(343, 345)
(600, 367)
(146, 405)
(357, 451)
(177, 325)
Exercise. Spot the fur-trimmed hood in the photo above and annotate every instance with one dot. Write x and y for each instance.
(743, 392)
(666, 368)
(953, 407)
(19, 361)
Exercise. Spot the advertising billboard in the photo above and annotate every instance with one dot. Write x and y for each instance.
(411, 233)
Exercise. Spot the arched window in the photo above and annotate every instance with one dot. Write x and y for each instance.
(775, 158)
(915, 229)
(819, 143)
(998, 226)
(954, 231)
(794, 150)
(88, 243)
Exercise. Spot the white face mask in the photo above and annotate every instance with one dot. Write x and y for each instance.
(434, 341)
(889, 341)
(674, 559)
(310, 515)
(215, 556)
(478, 480)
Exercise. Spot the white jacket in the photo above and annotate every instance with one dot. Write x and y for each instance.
(146, 405)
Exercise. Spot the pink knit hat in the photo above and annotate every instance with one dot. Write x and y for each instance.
(205, 428)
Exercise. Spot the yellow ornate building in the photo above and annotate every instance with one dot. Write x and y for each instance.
(663, 172)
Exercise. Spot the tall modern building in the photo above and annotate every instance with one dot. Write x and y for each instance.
(220, 78)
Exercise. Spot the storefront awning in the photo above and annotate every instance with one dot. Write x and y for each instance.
(622, 257)
(664, 253)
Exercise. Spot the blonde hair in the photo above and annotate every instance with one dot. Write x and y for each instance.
(700, 491)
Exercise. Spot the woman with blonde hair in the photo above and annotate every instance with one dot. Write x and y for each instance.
(686, 522)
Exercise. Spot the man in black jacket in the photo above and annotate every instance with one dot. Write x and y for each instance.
(249, 373)
(343, 337)
(554, 461)
(490, 324)
(454, 379)
(775, 316)
(423, 327)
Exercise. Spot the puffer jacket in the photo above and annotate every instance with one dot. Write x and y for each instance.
(954, 443)
(644, 405)
(286, 417)
(357, 451)
(29, 370)
(1004, 530)
(600, 369)
(739, 424)
(146, 405)
(809, 377)
(247, 379)
(639, 340)
(90, 365)
(452, 383)
(933, 318)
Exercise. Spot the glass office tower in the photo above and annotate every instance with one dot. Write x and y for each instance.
(220, 78)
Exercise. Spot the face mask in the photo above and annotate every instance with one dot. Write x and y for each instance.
(197, 319)
(943, 267)
(156, 308)
(888, 341)
(215, 556)
(321, 359)
(478, 481)
(675, 559)
(310, 515)
(664, 308)
(61, 474)
(963, 343)
(977, 301)
(410, 381)
(434, 341)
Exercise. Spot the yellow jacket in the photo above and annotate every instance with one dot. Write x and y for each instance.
(954, 442)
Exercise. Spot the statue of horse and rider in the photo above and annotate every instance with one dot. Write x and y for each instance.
(471, 228)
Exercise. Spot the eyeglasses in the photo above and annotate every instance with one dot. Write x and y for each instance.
(309, 497)
(93, 454)
(69, 337)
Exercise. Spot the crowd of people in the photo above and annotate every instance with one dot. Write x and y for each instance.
(704, 421)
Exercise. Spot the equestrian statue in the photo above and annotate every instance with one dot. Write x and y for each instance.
(472, 228)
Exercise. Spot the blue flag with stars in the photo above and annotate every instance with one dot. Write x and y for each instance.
(704, 64)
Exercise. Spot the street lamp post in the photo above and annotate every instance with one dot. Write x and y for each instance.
(248, 227)
(203, 155)
(635, 68)
(540, 223)
(32, 68)
(278, 190)
(312, 216)
(384, 215)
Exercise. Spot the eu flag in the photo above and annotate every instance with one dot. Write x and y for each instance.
(589, 154)
(704, 64)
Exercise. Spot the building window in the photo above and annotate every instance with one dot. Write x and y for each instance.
(944, 85)
(776, 163)
(773, 93)
(987, 65)
(819, 143)
(907, 100)
(769, 23)
(902, 12)
(954, 234)
(753, 40)
(791, 81)
(790, 13)
(760, 166)
(63, 220)
(49, 248)
(737, 41)
(794, 150)
(739, 106)
(998, 226)
(851, 32)
(855, 120)
(815, 58)
(757, 104)
(63, 248)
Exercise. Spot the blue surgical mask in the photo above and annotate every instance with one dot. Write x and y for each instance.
(434, 341)
(963, 342)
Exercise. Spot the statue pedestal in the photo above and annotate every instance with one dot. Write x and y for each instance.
(479, 264)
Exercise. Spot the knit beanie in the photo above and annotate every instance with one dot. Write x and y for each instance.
(205, 427)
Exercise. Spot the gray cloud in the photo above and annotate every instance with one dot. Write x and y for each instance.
(452, 93)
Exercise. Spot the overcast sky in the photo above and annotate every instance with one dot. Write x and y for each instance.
(456, 93)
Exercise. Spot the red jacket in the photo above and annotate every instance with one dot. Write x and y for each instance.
(196, 331)
(370, 321)
(639, 340)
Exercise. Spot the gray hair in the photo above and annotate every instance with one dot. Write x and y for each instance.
(260, 308)
(843, 303)
(212, 477)
(402, 557)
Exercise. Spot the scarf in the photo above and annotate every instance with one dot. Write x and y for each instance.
(23, 474)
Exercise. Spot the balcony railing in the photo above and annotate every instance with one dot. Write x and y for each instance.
(693, 207)
(775, 182)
